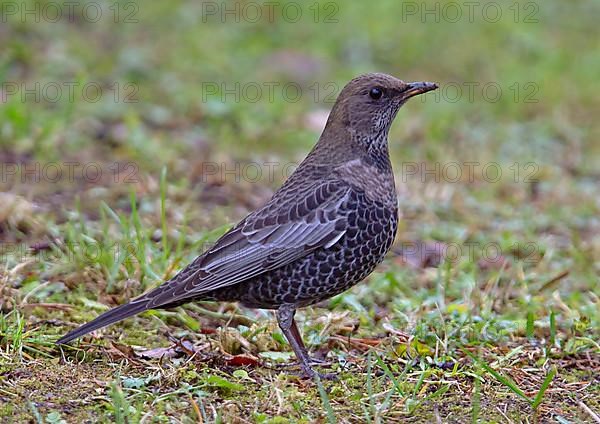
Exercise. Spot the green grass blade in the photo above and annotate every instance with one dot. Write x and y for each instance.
(476, 400)
(372, 410)
(552, 328)
(163, 212)
(502, 379)
(325, 399)
(389, 374)
(545, 384)
(530, 325)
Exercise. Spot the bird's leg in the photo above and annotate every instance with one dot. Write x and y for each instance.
(285, 318)
(296, 334)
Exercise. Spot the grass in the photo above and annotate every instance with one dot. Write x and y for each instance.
(486, 310)
(510, 384)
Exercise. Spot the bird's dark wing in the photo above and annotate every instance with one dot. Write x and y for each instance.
(286, 229)
(293, 224)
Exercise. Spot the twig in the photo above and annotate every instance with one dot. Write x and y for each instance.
(196, 410)
(587, 409)
(508, 420)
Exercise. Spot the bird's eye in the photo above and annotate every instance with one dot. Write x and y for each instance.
(376, 93)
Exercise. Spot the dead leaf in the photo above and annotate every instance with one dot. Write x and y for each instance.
(242, 360)
(180, 348)
(118, 350)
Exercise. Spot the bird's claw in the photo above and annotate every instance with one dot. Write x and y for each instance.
(309, 373)
(321, 362)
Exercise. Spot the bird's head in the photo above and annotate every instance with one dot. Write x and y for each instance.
(368, 104)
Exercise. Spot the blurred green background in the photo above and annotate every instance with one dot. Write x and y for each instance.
(161, 89)
(171, 51)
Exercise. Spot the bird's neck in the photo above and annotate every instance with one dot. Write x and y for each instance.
(340, 144)
(375, 148)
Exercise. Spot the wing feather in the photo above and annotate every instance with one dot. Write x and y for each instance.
(304, 223)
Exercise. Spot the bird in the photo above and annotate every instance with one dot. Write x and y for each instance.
(326, 229)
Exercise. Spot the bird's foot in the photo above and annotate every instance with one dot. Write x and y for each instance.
(309, 373)
(316, 361)
(328, 376)
(310, 361)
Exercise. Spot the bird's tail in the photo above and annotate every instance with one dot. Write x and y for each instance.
(109, 317)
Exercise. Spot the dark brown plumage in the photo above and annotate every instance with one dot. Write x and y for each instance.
(323, 231)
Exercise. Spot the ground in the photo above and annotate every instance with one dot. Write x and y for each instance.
(487, 308)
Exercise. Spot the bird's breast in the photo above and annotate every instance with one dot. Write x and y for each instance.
(377, 185)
